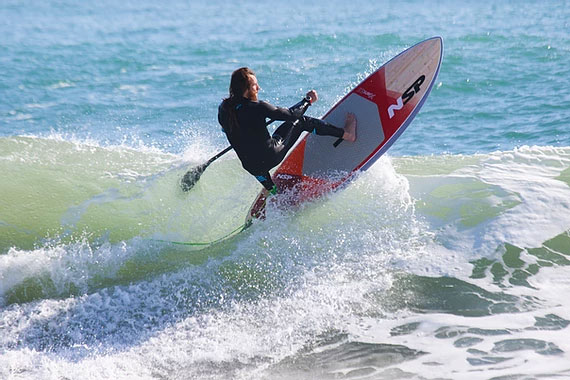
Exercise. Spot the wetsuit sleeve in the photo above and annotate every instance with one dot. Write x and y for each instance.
(277, 113)
(300, 108)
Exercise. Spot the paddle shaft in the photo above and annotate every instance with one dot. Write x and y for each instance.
(220, 154)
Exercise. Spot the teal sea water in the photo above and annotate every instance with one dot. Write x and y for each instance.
(448, 259)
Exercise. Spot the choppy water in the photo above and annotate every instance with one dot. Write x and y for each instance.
(447, 259)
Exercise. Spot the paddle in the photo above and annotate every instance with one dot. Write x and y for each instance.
(193, 175)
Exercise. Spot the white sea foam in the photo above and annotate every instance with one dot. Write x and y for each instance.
(510, 197)
(343, 269)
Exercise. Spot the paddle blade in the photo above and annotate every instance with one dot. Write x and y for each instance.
(191, 177)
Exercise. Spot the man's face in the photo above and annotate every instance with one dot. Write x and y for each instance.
(253, 89)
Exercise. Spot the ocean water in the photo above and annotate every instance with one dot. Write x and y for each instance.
(448, 259)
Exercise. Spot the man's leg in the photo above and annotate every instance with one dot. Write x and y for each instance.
(267, 182)
(294, 130)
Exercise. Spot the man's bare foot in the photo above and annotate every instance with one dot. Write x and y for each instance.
(350, 128)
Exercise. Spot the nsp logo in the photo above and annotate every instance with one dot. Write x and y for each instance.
(406, 96)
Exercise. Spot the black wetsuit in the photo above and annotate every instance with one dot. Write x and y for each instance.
(256, 149)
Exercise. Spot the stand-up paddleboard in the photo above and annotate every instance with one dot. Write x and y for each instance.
(384, 104)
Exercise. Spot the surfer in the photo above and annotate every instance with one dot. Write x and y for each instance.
(243, 119)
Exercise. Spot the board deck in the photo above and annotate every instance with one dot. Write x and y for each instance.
(384, 104)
